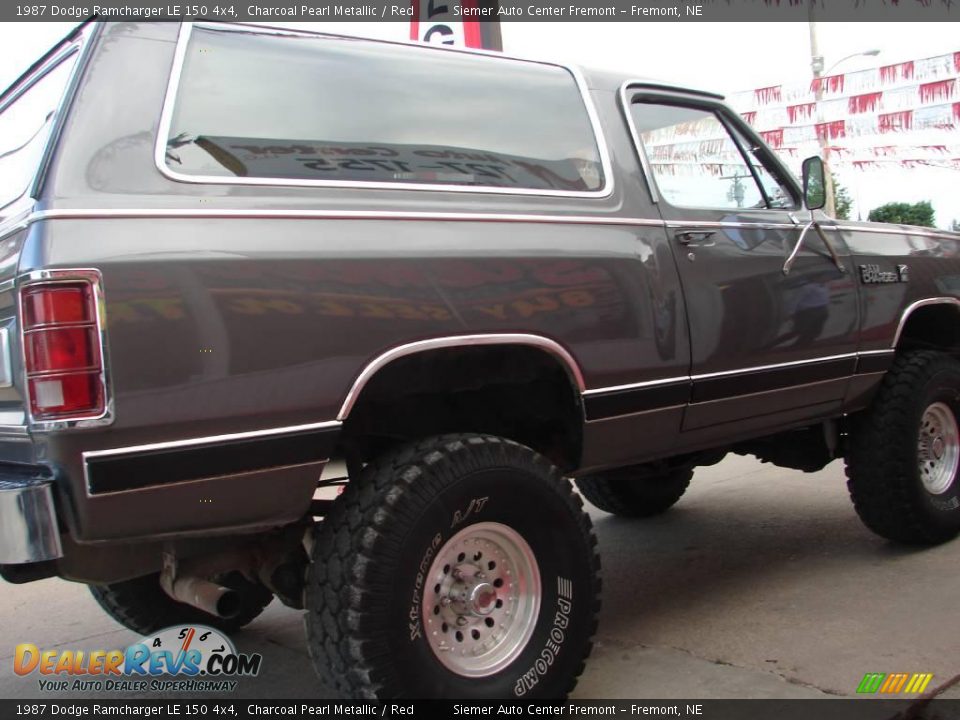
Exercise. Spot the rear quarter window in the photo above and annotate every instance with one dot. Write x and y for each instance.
(259, 108)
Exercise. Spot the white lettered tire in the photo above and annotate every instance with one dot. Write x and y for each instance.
(462, 566)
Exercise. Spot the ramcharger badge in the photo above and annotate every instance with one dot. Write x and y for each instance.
(191, 651)
(872, 275)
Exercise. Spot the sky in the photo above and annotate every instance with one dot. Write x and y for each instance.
(723, 57)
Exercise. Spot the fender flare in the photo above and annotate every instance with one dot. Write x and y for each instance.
(453, 341)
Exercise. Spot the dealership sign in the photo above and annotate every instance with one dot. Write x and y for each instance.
(460, 23)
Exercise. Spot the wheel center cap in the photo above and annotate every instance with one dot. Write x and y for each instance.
(483, 599)
(937, 447)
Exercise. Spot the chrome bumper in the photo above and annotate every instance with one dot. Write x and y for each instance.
(28, 521)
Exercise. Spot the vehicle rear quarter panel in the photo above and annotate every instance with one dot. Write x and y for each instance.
(233, 322)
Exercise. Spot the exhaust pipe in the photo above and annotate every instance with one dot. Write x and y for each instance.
(202, 594)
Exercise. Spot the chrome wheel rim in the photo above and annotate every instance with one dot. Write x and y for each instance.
(481, 599)
(938, 448)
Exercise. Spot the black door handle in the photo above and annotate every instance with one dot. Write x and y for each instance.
(695, 238)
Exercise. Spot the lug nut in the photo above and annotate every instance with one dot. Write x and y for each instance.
(461, 621)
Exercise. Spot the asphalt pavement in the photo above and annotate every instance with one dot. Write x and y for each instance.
(760, 583)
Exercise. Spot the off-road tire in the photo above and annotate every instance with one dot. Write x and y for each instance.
(883, 457)
(376, 556)
(635, 492)
(142, 605)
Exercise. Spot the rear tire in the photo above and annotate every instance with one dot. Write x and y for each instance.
(462, 566)
(635, 492)
(142, 605)
(904, 452)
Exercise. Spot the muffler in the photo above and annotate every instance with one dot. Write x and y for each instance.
(202, 594)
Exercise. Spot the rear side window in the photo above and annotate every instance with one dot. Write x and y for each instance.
(26, 119)
(260, 107)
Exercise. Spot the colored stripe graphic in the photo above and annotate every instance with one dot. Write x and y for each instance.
(893, 683)
(918, 683)
(871, 682)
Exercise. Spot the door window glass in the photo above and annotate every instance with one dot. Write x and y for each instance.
(697, 163)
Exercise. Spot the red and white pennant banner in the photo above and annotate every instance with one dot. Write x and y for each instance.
(896, 112)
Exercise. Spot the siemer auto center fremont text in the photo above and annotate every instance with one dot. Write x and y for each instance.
(372, 710)
(473, 13)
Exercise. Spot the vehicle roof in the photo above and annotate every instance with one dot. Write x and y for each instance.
(610, 80)
(595, 78)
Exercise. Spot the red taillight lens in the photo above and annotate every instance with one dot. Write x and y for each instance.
(62, 350)
(57, 304)
(59, 349)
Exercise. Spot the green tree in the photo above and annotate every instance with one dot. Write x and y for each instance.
(919, 213)
(842, 202)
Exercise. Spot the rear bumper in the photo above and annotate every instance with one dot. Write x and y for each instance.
(28, 519)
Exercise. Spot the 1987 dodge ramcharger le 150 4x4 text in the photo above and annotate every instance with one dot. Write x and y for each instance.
(230, 253)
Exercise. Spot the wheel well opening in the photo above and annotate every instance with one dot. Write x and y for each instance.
(932, 327)
(518, 392)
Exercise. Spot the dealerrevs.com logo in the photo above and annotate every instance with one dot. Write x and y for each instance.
(199, 659)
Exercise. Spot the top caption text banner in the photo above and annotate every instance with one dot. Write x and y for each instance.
(639, 11)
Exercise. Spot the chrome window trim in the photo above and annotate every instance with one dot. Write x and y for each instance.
(760, 225)
(708, 100)
(454, 341)
(209, 440)
(639, 150)
(41, 72)
(945, 300)
(25, 217)
(176, 72)
(277, 214)
(84, 45)
(65, 275)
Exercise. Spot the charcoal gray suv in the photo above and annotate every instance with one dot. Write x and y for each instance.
(232, 257)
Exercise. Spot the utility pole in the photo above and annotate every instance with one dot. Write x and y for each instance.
(816, 65)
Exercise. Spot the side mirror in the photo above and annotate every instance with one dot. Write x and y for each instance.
(814, 183)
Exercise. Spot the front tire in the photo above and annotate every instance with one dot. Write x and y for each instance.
(904, 452)
(462, 566)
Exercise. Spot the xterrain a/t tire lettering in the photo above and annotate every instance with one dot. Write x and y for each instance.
(400, 603)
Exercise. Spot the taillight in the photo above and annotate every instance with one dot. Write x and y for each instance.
(61, 349)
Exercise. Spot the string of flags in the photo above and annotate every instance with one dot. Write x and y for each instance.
(906, 113)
